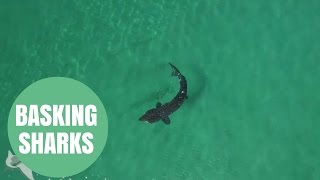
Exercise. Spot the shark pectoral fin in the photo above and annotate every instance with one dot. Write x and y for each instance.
(158, 104)
(166, 120)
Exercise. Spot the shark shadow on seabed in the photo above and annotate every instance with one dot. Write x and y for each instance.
(197, 84)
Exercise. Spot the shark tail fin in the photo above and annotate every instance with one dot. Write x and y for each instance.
(175, 71)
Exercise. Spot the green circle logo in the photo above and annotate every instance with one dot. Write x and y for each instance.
(57, 127)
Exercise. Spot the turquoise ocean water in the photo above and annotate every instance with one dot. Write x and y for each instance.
(253, 70)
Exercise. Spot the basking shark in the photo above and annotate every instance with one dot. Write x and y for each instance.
(162, 111)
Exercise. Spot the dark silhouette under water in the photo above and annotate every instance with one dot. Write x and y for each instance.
(162, 111)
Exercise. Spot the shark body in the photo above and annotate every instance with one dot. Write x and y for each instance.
(162, 111)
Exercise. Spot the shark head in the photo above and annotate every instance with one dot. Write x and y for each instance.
(150, 116)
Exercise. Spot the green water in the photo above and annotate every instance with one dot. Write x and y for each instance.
(252, 67)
